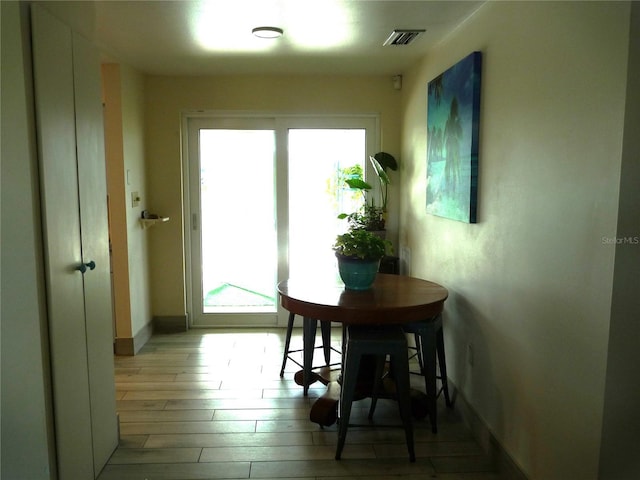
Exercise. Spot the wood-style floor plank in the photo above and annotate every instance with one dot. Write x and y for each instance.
(279, 454)
(163, 428)
(160, 455)
(354, 468)
(177, 471)
(210, 404)
(165, 415)
(223, 440)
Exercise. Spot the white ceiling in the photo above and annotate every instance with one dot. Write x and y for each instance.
(213, 37)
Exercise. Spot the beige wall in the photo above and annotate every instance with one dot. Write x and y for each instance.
(126, 173)
(167, 97)
(530, 284)
(135, 181)
(118, 229)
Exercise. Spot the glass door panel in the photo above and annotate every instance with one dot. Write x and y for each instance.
(233, 259)
(238, 223)
(319, 160)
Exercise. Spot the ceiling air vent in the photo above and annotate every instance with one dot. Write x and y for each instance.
(402, 37)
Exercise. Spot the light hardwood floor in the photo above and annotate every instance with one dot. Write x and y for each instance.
(210, 404)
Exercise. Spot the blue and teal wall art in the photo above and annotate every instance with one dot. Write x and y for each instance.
(453, 117)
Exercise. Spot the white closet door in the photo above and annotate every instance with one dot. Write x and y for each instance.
(74, 204)
(95, 248)
(53, 77)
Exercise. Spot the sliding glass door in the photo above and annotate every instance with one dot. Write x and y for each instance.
(262, 199)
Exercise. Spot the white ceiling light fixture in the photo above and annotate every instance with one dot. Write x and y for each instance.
(267, 32)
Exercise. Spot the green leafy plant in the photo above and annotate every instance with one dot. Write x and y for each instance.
(361, 244)
(371, 216)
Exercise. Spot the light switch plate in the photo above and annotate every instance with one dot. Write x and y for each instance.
(135, 199)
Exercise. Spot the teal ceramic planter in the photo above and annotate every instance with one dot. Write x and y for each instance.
(357, 274)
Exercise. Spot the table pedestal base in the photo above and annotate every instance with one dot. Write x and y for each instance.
(324, 410)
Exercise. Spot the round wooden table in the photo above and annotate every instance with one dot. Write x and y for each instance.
(393, 300)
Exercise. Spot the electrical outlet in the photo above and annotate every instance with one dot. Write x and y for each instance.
(135, 199)
(470, 358)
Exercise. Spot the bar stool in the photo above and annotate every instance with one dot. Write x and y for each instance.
(429, 339)
(325, 329)
(378, 341)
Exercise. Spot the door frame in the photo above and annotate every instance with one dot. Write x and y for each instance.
(282, 123)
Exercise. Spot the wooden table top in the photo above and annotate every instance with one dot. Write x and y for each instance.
(393, 299)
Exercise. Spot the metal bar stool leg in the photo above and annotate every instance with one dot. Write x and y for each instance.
(325, 330)
(380, 362)
(443, 366)
(400, 369)
(287, 342)
(349, 380)
(416, 338)
(428, 347)
(309, 327)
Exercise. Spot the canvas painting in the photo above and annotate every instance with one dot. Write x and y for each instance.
(453, 111)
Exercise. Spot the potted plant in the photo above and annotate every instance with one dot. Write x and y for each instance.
(369, 217)
(359, 253)
(372, 216)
